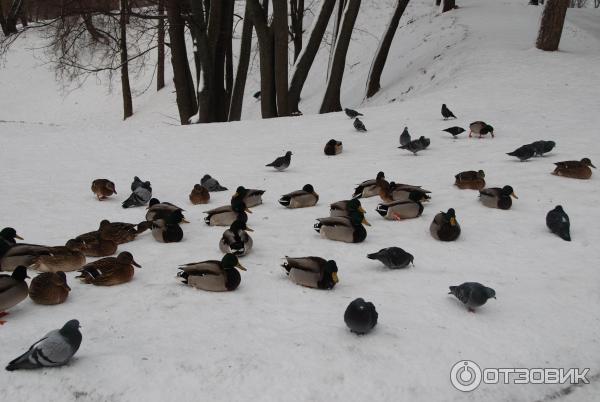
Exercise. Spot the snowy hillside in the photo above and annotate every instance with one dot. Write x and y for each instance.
(155, 339)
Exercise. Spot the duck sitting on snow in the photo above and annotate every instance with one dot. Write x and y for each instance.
(574, 169)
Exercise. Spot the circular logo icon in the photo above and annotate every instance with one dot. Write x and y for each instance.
(465, 375)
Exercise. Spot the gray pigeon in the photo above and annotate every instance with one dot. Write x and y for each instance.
(137, 182)
(359, 126)
(360, 316)
(211, 184)
(393, 257)
(472, 294)
(446, 113)
(558, 222)
(283, 162)
(415, 146)
(523, 152)
(54, 349)
(352, 113)
(424, 141)
(542, 147)
(405, 137)
(140, 196)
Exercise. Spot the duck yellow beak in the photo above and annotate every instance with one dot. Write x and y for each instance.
(235, 195)
(248, 210)
(514, 196)
(249, 230)
(334, 277)
(19, 237)
(366, 222)
(240, 266)
(362, 210)
(453, 221)
(185, 221)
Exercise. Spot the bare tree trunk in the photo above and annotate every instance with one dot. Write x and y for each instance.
(336, 30)
(553, 19)
(182, 76)
(373, 81)
(280, 34)
(448, 5)
(304, 62)
(237, 96)
(438, 2)
(160, 69)
(203, 57)
(297, 17)
(125, 87)
(331, 100)
(3, 21)
(265, 6)
(23, 14)
(226, 62)
(13, 15)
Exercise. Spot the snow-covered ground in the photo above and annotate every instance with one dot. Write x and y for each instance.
(155, 339)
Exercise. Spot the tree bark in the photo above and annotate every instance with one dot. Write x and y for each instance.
(336, 30)
(160, 69)
(237, 96)
(13, 15)
(3, 21)
(182, 76)
(373, 81)
(553, 19)
(203, 57)
(125, 86)
(448, 5)
(304, 62)
(331, 100)
(297, 18)
(280, 34)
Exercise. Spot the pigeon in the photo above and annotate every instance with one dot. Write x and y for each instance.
(558, 222)
(524, 152)
(358, 125)
(283, 162)
(256, 95)
(137, 182)
(360, 316)
(454, 130)
(424, 141)
(414, 146)
(542, 147)
(141, 194)
(54, 349)
(352, 113)
(447, 113)
(405, 137)
(472, 294)
(393, 257)
(211, 184)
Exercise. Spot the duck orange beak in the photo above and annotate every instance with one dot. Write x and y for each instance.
(334, 277)
(185, 221)
(514, 196)
(366, 222)
(362, 210)
(248, 210)
(453, 221)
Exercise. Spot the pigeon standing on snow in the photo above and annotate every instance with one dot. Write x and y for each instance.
(405, 137)
(472, 294)
(393, 257)
(455, 130)
(558, 222)
(447, 113)
(542, 147)
(424, 141)
(55, 349)
(141, 194)
(360, 316)
(523, 152)
(352, 113)
(414, 146)
(211, 184)
(358, 125)
(283, 162)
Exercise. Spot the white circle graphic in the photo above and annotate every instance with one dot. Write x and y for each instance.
(465, 375)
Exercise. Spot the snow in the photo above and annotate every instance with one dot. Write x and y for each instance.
(155, 339)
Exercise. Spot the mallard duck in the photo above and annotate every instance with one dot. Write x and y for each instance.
(481, 128)
(65, 258)
(333, 147)
(199, 195)
(496, 197)
(312, 272)
(470, 180)
(444, 226)
(574, 169)
(7, 239)
(168, 230)
(347, 229)
(390, 192)
(13, 290)
(226, 215)
(109, 271)
(300, 198)
(250, 196)
(370, 188)
(472, 294)
(213, 275)
(343, 208)
(103, 188)
(398, 210)
(162, 210)
(121, 232)
(235, 240)
(22, 254)
(95, 245)
(49, 288)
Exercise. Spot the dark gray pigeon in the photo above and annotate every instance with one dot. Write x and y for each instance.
(137, 182)
(393, 257)
(542, 147)
(447, 113)
(523, 152)
(358, 125)
(283, 162)
(352, 113)
(414, 146)
(211, 184)
(360, 316)
(405, 137)
(140, 196)
(424, 141)
(472, 294)
(454, 130)
(558, 222)
(54, 349)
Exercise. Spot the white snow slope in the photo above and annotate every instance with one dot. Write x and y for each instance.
(154, 339)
